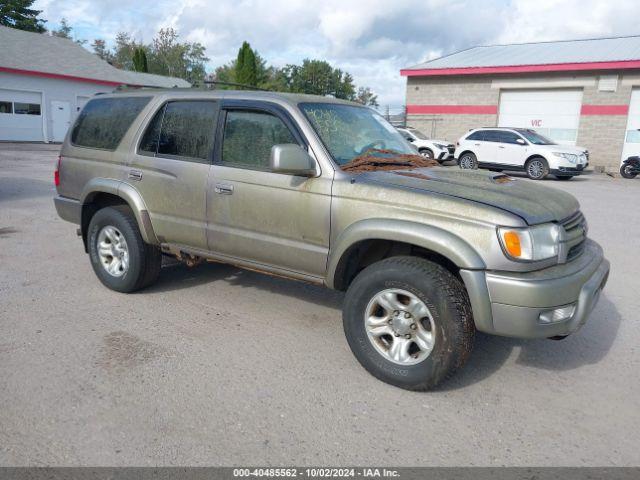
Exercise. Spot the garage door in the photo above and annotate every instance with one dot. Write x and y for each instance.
(632, 138)
(554, 113)
(20, 116)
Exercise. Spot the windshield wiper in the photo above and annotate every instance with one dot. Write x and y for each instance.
(367, 162)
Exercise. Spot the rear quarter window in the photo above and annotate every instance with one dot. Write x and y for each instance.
(104, 121)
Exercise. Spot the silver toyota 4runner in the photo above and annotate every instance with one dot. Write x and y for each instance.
(328, 192)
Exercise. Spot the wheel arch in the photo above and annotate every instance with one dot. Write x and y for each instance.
(103, 192)
(465, 152)
(368, 241)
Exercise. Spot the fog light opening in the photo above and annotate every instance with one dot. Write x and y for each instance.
(559, 314)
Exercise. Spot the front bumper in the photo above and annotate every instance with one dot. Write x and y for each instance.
(510, 304)
(68, 209)
(577, 170)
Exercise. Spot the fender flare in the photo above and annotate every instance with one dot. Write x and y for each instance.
(127, 193)
(429, 237)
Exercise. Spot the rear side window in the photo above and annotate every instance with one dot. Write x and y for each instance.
(492, 136)
(181, 129)
(476, 135)
(104, 121)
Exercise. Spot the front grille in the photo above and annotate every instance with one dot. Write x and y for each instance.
(575, 228)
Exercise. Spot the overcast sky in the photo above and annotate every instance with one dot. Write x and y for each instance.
(372, 39)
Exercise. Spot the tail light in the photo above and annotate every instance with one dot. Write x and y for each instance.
(56, 174)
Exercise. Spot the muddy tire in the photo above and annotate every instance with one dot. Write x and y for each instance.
(119, 256)
(408, 321)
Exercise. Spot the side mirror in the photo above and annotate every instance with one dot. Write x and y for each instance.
(520, 141)
(291, 159)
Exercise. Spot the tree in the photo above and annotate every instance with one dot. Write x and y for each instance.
(63, 31)
(318, 77)
(140, 60)
(19, 14)
(246, 71)
(366, 97)
(167, 56)
(100, 49)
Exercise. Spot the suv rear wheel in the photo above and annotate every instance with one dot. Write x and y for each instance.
(119, 256)
(468, 161)
(408, 322)
(537, 168)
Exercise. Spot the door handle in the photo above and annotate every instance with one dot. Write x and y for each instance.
(477, 144)
(135, 175)
(223, 189)
(500, 146)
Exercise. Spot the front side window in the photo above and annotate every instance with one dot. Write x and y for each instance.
(418, 134)
(509, 137)
(249, 136)
(350, 131)
(103, 122)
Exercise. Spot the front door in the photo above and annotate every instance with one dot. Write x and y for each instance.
(170, 168)
(61, 118)
(259, 216)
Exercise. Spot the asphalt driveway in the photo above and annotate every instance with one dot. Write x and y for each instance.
(218, 366)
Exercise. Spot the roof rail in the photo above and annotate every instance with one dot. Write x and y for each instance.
(233, 84)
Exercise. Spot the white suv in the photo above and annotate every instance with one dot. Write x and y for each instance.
(520, 149)
(439, 150)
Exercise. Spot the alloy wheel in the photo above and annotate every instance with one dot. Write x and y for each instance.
(113, 251)
(400, 326)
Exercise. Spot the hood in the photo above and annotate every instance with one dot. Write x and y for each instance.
(532, 202)
(563, 148)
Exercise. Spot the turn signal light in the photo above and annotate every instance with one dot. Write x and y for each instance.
(512, 243)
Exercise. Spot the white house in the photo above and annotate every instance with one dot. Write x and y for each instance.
(45, 81)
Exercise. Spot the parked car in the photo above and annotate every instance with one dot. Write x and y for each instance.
(439, 150)
(265, 181)
(520, 149)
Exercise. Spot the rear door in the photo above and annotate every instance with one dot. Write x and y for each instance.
(170, 168)
(257, 215)
(489, 147)
(632, 137)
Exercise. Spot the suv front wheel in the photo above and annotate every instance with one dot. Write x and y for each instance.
(119, 256)
(408, 322)
(536, 168)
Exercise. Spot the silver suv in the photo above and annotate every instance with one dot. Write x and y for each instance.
(328, 192)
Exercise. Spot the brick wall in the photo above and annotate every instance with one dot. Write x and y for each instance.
(602, 134)
(473, 90)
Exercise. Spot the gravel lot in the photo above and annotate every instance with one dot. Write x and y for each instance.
(218, 366)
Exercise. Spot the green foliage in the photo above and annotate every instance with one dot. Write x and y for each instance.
(246, 69)
(140, 63)
(166, 55)
(19, 14)
(64, 31)
(366, 97)
(318, 77)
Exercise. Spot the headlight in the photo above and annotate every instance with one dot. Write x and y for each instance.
(440, 146)
(567, 156)
(530, 244)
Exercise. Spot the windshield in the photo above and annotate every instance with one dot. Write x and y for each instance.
(349, 131)
(418, 134)
(535, 138)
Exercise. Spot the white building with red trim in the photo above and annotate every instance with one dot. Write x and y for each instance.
(45, 81)
(579, 92)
